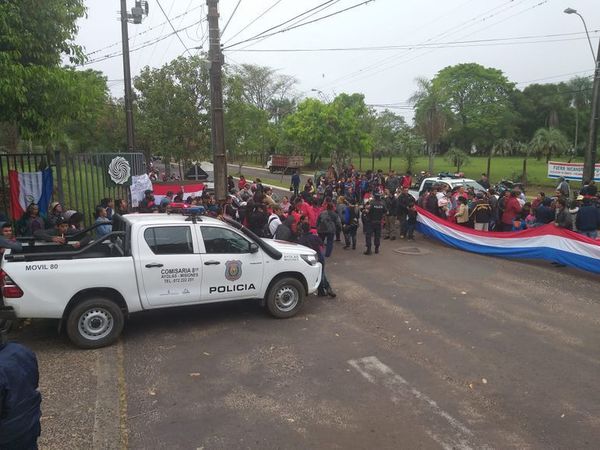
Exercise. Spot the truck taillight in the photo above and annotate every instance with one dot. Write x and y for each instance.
(9, 287)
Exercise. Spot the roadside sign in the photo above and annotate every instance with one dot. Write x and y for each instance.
(569, 171)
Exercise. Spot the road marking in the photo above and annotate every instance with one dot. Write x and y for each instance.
(447, 431)
(110, 430)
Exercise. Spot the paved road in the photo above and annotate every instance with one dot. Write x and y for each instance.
(441, 350)
(253, 172)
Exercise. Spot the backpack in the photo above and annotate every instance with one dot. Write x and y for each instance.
(266, 232)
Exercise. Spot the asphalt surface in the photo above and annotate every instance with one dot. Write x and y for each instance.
(443, 349)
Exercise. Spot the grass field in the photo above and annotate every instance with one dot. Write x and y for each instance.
(508, 168)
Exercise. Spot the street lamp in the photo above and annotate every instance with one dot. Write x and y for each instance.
(574, 11)
(589, 161)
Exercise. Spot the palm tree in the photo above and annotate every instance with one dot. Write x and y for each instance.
(431, 119)
(580, 89)
(549, 141)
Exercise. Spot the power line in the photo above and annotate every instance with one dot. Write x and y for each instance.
(320, 8)
(374, 66)
(264, 32)
(143, 45)
(485, 16)
(306, 23)
(114, 44)
(253, 21)
(173, 28)
(231, 17)
(450, 44)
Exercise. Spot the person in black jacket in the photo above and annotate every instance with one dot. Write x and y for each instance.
(405, 201)
(313, 241)
(481, 215)
(19, 396)
(544, 213)
(375, 212)
(588, 219)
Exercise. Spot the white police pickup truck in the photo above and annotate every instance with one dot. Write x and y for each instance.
(447, 180)
(154, 261)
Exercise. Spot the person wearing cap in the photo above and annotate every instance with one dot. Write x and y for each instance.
(55, 212)
(588, 218)
(148, 205)
(373, 217)
(60, 235)
(20, 398)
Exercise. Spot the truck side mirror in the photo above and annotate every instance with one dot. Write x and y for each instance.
(253, 247)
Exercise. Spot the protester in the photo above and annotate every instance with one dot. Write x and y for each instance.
(327, 223)
(295, 182)
(31, 221)
(20, 398)
(314, 242)
(104, 226)
(563, 217)
(511, 209)
(274, 219)
(588, 219)
(481, 215)
(8, 240)
(55, 213)
(60, 235)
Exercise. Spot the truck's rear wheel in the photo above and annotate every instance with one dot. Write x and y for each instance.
(95, 322)
(285, 298)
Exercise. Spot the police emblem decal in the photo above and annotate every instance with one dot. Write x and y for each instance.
(233, 270)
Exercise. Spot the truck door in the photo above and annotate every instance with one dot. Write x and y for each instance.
(229, 269)
(170, 270)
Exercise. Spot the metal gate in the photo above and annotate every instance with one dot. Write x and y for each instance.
(80, 180)
(85, 178)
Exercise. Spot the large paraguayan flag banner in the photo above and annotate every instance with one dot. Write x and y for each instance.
(27, 188)
(545, 242)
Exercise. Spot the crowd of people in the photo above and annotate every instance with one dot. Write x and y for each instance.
(502, 209)
(59, 225)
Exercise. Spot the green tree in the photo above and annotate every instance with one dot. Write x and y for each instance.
(479, 99)
(457, 157)
(335, 130)
(387, 130)
(173, 103)
(579, 92)
(431, 116)
(37, 95)
(549, 141)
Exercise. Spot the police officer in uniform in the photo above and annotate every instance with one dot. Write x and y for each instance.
(372, 220)
(19, 396)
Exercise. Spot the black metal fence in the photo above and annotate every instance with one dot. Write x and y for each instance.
(80, 180)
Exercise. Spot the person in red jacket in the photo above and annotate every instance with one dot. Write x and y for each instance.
(512, 208)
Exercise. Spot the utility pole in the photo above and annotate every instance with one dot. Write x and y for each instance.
(216, 101)
(589, 162)
(137, 12)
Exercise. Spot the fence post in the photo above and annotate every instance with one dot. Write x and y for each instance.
(59, 179)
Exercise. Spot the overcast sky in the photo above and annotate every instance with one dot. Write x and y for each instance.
(383, 76)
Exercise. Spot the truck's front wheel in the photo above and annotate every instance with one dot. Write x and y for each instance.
(285, 298)
(94, 323)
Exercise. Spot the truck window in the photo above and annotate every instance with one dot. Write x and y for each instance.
(222, 240)
(169, 240)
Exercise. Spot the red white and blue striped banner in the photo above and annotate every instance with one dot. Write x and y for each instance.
(545, 242)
